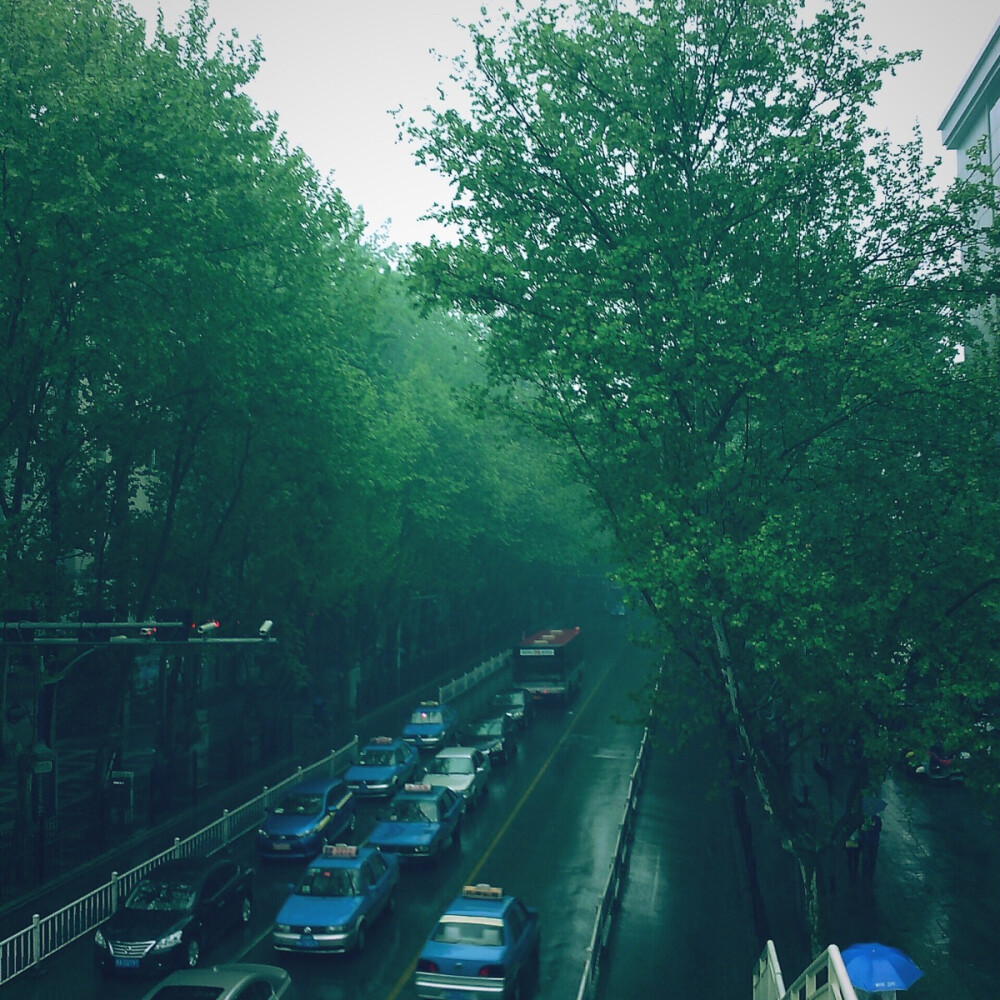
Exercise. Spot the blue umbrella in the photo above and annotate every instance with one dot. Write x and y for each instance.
(878, 968)
(871, 805)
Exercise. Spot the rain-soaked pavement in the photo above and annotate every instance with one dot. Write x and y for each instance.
(685, 925)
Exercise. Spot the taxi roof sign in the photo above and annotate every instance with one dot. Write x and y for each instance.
(383, 740)
(482, 891)
(414, 787)
(340, 851)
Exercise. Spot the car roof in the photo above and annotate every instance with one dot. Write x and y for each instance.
(383, 742)
(316, 784)
(226, 977)
(456, 752)
(423, 792)
(466, 907)
(323, 861)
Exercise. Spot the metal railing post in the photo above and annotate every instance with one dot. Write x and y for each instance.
(36, 939)
(114, 891)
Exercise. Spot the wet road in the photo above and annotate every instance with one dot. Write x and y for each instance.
(685, 924)
(546, 832)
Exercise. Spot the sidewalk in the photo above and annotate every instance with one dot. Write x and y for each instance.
(685, 923)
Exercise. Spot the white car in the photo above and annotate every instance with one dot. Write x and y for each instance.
(241, 981)
(465, 770)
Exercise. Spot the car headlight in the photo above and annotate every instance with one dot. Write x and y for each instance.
(262, 832)
(421, 849)
(283, 928)
(335, 929)
(99, 940)
(169, 941)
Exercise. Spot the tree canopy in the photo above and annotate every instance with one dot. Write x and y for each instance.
(216, 393)
(739, 306)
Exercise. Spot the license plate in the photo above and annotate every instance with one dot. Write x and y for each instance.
(307, 941)
(282, 847)
(126, 963)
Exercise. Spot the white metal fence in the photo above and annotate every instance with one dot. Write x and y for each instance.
(46, 935)
(460, 685)
(824, 979)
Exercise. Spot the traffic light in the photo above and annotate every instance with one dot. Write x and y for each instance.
(14, 630)
(174, 633)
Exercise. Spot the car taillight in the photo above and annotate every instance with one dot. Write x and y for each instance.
(426, 965)
(491, 972)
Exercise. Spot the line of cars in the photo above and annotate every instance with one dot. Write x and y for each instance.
(184, 906)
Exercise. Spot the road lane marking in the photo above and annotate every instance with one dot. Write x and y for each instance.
(259, 939)
(404, 979)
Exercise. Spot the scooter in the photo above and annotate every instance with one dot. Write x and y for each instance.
(939, 766)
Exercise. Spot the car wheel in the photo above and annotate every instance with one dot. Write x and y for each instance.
(246, 910)
(390, 903)
(456, 836)
(360, 937)
(192, 953)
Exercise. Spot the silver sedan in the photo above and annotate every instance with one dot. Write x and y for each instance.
(227, 982)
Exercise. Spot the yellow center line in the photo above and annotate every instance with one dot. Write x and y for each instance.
(470, 878)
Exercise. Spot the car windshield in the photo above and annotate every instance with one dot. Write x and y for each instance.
(378, 758)
(491, 727)
(412, 811)
(469, 932)
(299, 804)
(329, 882)
(156, 894)
(427, 716)
(451, 765)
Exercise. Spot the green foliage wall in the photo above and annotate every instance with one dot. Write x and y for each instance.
(215, 392)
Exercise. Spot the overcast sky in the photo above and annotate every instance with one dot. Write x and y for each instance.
(335, 67)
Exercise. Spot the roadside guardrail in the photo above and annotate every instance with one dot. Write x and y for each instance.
(46, 935)
(460, 685)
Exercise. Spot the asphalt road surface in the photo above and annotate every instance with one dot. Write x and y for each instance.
(546, 832)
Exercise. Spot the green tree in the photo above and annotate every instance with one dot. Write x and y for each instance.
(739, 307)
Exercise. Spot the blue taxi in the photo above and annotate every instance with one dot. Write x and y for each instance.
(421, 822)
(432, 725)
(336, 901)
(486, 944)
(385, 764)
(312, 813)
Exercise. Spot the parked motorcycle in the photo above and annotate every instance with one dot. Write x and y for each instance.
(938, 765)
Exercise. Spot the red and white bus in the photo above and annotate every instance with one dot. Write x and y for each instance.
(549, 665)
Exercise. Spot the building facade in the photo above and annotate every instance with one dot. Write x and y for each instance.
(975, 109)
